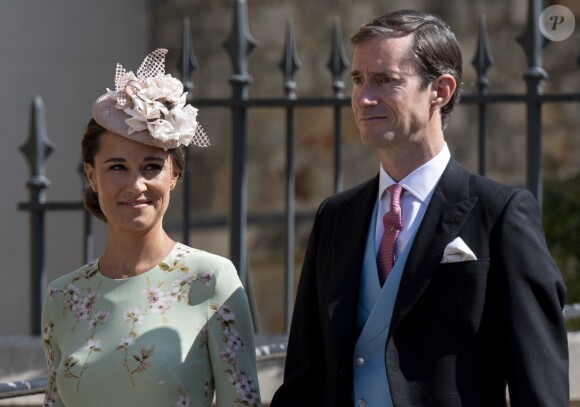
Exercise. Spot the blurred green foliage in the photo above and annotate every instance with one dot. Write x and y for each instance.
(561, 222)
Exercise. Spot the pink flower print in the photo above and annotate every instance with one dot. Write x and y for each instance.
(50, 398)
(244, 387)
(91, 298)
(132, 315)
(233, 339)
(158, 301)
(153, 294)
(228, 355)
(71, 289)
(101, 317)
(186, 279)
(93, 345)
(125, 342)
(47, 330)
(206, 278)
(53, 292)
(81, 312)
(174, 294)
(183, 401)
(74, 301)
(226, 313)
(161, 306)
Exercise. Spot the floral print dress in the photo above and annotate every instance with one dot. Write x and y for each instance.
(180, 334)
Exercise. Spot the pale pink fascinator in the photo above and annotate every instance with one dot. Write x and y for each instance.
(150, 107)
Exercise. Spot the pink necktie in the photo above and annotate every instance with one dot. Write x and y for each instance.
(393, 224)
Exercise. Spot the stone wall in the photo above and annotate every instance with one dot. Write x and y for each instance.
(313, 22)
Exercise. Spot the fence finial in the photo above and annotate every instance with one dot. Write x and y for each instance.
(337, 62)
(240, 44)
(482, 60)
(37, 148)
(290, 62)
(187, 61)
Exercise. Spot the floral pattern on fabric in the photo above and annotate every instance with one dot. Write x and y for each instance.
(82, 304)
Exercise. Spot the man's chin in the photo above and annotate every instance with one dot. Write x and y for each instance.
(376, 139)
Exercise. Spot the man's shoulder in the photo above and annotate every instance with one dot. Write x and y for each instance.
(483, 185)
(364, 189)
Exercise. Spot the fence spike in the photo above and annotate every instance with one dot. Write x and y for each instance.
(187, 61)
(531, 40)
(38, 147)
(290, 62)
(240, 44)
(338, 61)
(482, 60)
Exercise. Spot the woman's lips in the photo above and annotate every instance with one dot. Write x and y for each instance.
(134, 204)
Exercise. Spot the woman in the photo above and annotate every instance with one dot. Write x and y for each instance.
(151, 322)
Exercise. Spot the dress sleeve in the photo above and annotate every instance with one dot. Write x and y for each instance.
(231, 342)
(51, 352)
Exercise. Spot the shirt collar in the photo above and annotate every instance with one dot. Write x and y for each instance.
(422, 181)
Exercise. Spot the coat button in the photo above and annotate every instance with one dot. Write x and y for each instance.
(360, 361)
(343, 372)
(361, 403)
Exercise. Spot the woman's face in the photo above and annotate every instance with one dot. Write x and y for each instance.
(133, 182)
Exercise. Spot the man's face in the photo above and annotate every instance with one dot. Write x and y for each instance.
(387, 100)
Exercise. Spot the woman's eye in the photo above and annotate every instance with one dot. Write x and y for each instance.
(117, 167)
(153, 167)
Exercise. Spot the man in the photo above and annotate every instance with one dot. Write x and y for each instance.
(472, 300)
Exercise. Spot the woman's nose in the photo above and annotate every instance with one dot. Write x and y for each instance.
(137, 183)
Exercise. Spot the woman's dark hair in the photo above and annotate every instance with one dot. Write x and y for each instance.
(435, 49)
(91, 145)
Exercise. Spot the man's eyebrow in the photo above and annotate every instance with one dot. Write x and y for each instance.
(378, 73)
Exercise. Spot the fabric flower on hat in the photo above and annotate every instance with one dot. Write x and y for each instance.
(156, 106)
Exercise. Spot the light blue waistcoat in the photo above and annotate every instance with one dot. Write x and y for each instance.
(375, 309)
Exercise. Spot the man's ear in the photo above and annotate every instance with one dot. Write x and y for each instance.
(442, 89)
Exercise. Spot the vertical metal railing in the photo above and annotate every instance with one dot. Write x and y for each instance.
(239, 46)
(36, 150)
(188, 64)
(289, 65)
(533, 43)
(482, 61)
(337, 64)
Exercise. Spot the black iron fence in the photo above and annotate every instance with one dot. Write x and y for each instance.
(239, 46)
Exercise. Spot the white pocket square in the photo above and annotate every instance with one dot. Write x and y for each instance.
(457, 251)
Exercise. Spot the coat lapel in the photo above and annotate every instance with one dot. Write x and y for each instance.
(349, 241)
(448, 210)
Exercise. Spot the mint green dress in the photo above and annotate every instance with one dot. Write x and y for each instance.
(177, 335)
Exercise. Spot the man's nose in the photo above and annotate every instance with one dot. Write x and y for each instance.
(365, 95)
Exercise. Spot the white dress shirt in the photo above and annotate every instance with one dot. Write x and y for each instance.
(418, 189)
(376, 303)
